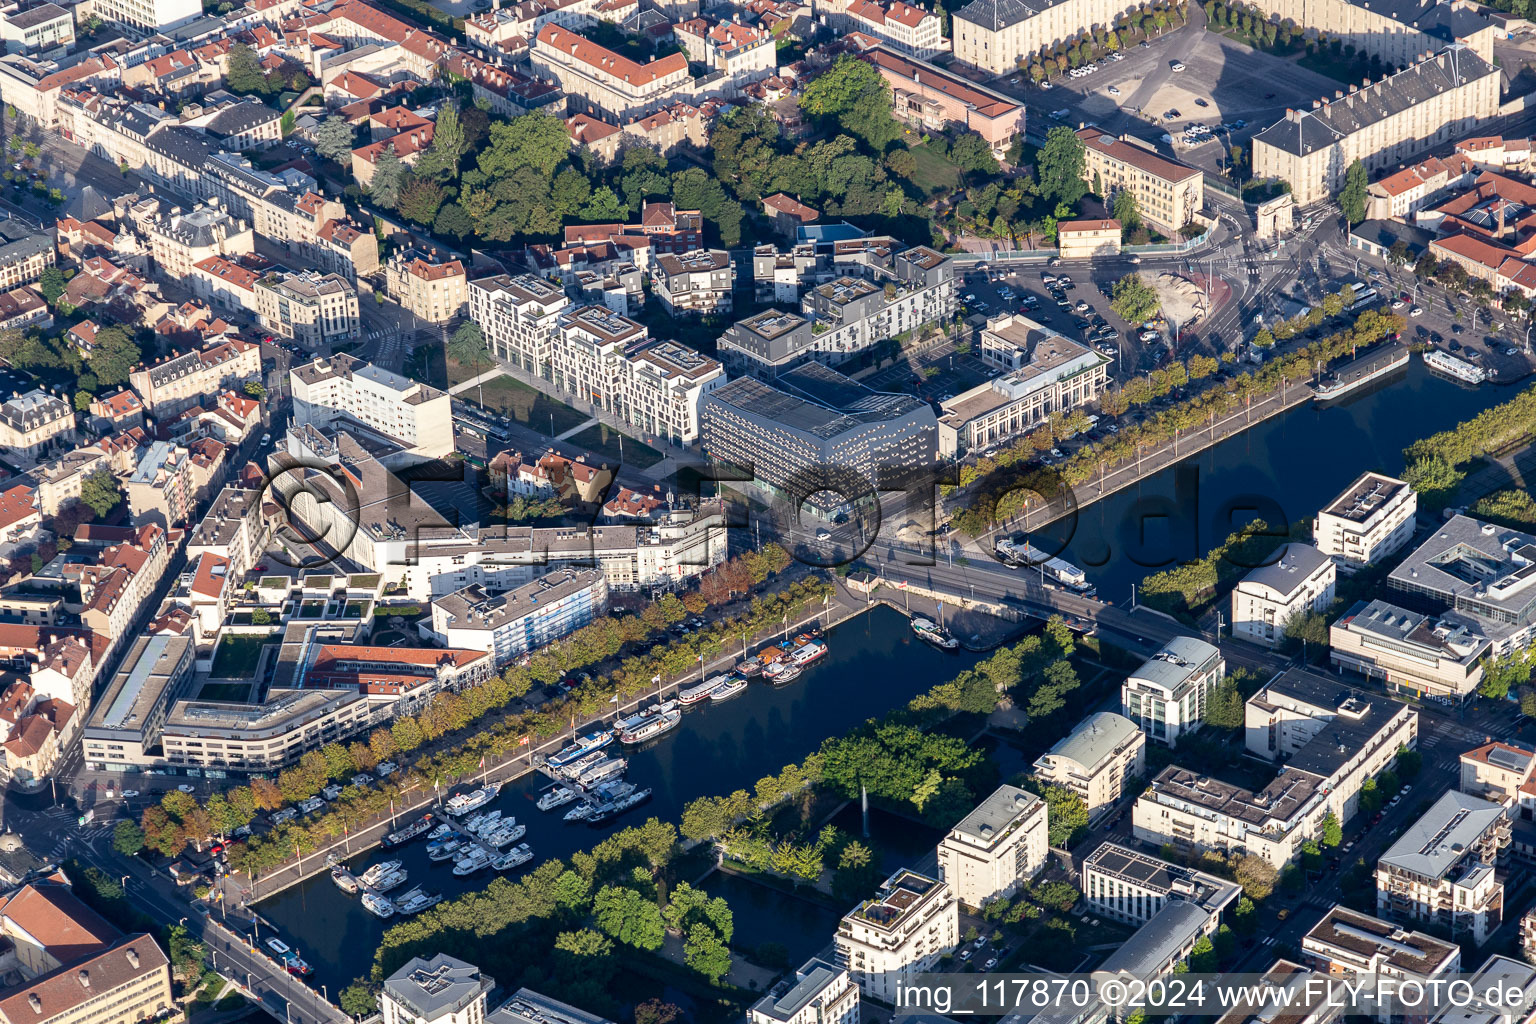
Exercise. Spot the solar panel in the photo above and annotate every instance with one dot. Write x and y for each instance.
(1510, 759)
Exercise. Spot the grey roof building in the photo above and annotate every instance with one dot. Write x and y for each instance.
(435, 991)
(819, 991)
(1166, 696)
(530, 1007)
(1484, 571)
(1096, 759)
(1159, 945)
(814, 430)
(1447, 832)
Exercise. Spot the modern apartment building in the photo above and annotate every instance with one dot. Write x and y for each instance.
(996, 848)
(1166, 696)
(813, 429)
(819, 993)
(995, 35)
(1347, 943)
(694, 282)
(1372, 519)
(1045, 375)
(344, 388)
(1132, 887)
(598, 81)
(34, 423)
(901, 932)
(263, 737)
(1411, 653)
(520, 318)
(1096, 759)
(316, 310)
(523, 619)
(1168, 193)
(161, 488)
(177, 383)
(442, 990)
(885, 293)
(126, 721)
(1441, 870)
(611, 362)
(149, 15)
(1479, 570)
(1382, 125)
(42, 29)
(1299, 582)
(430, 284)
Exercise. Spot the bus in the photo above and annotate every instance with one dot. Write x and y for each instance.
(1363, 298)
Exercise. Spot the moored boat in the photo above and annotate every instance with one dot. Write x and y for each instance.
(580, 747)
(933, 633)
(605, 769)
(652, 727)
(515, 857)
(448, 850)
(750, 667)
(378, 906)
(475, 799)
(411, 831)
(344, 880)
(729, 688)
(379, 870)
(476, 860)
(393, 880)
(781, 672)
(556, 797)
(1451, 366)
(581, 764)
(415, 901)
(439, 832)
(607, 812)
(698, 691)
(509, 832)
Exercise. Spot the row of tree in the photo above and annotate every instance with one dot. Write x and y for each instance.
(1437, 464)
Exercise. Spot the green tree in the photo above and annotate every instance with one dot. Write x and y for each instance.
(706, 953)
(453, 222)
(357, 1000)
(127, 838)
(1202, 956)
(388, 179)
(853, 95)
(420, 200)
(99, 492)
(628, 916)
(1061, 167)
(113, 356)
(245, 74)
(1066, 815)
(51, 284)
(335, 139)
(441, 160)
(1353, 196)
(1126, 210)
(1333, 832)
(466, 346)
(1504, 673)
(1225, 709)
(1134, 299)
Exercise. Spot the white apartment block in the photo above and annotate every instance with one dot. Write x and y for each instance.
(1299, 582)
(1132, 887)
(819, 993)
(1382, 125)
(1441, 870)
(41, 29)
(598, 81)
(694, 282)
(1096, 760)
(523, 619)
(901, 932)
(520, 318)
(996, 34)
(148, 15)
(316, 310)
(1347, 943)
(407, 412)
(1372, 519)
(442, 990)
(1166, 696)
(996, 848)
(609, 361)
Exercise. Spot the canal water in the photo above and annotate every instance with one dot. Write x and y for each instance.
(1282, 470)
(874, 664)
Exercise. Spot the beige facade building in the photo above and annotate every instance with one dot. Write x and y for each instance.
(1441, 871)
(914, 31)
(431, 286)
(1100, 756)
(1348, 943)
(1168, 193)
(178, 383)
(1381, 125)
(996, 848)
(694, 282)
(1299, 582)
(520, 318)
(1410, 652)
(903, 931)
(33, 423)
(1372, 519)
(1082, 239)
(316, 310)
(597, 80)
(1499, 772)
(1399, 33)
(996, 34)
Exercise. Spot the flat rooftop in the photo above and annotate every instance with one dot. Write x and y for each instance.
(1366, 497)
(144, 679)
(1000, 810)
(1162, 877)
(1370, 937)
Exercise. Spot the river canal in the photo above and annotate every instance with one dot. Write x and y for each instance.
(875, 664)
(1284, 469)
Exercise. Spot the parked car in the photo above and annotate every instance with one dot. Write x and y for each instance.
(186, 788)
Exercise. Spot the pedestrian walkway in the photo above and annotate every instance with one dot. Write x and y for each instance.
(578, 428)
(469, 385)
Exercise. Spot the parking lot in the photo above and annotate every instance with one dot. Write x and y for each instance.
(1223, 82)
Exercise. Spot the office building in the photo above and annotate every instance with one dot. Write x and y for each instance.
(1158, 947)
(1412, 653)
(149, 15)
(1166, 696)
(344, 389)
(268, 736)
(442, 990)
(1441, 870)
(996, 848)
(1384, 124)
(1372, 519)
(900, 933)
(1485, 573)
(1347, 943)
(814, 434)
(44, 29)
(512, 624)
(1046, 375)
(1096, 760)
(1298, 583)
(818, 993)
(1132, 887)
(1168, 193)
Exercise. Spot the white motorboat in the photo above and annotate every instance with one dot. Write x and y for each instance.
(464, 803)
(393, 880)
(510, 832)
(557, 797)
(698, 691)
(416, 901)
(581, 764)
(476, 860)
(488, 823)
(378, 906)
(439, 832)
(515, 857)
(580, 748)
(730, 688)
(378, 871)
(605, 769)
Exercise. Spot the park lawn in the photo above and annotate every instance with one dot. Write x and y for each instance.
(934, 171)
(238, 656)
(528, 406)
(604, 440)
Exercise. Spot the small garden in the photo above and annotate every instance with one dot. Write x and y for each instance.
(238, 655)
